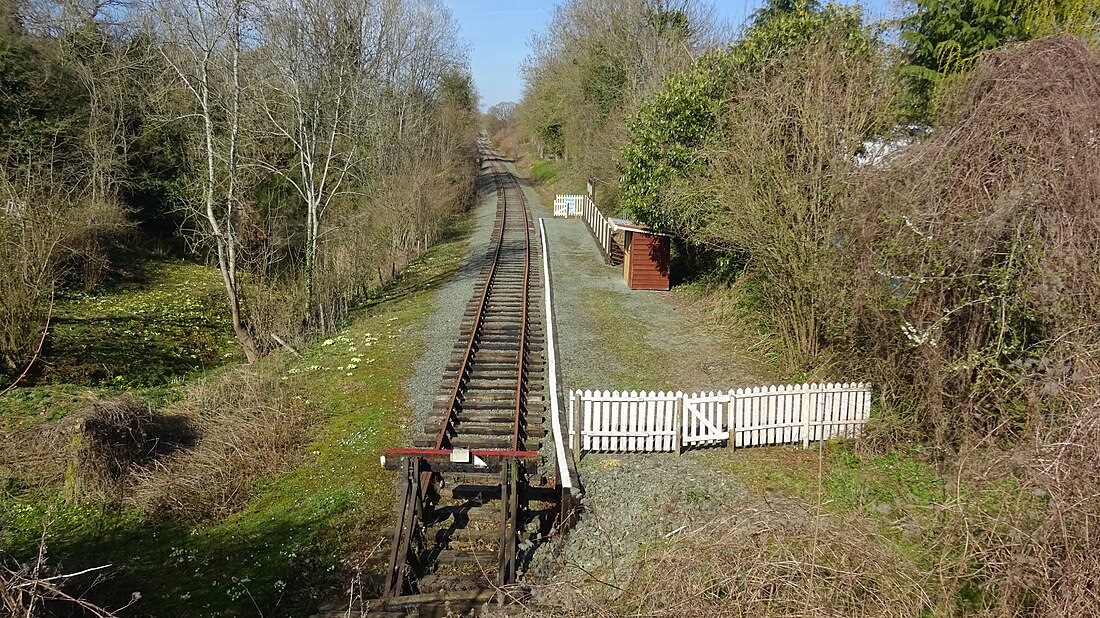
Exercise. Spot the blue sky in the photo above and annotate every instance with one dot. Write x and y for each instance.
(497, 32)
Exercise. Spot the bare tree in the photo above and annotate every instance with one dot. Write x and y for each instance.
(202, 43)
(311, 98)
(501, 116)
(352, 88)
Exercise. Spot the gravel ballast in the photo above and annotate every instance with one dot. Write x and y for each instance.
(443, 326)
(610, 337)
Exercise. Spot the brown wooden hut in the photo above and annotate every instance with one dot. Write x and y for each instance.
(647, 255)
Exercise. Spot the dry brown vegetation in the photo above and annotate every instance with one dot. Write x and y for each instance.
(770, 559)
(960, 276)
(980, 283)
(1007, 536)
(197, 459)
(248, 427)
(93, 451)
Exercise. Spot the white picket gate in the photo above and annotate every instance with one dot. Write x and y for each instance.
(613, 421)
(704, 417)
(568, 205)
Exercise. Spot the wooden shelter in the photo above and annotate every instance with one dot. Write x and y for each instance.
(647, 256)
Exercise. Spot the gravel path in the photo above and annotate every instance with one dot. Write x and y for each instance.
(610, 337)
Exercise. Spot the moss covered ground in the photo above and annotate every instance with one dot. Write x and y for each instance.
(303, 529)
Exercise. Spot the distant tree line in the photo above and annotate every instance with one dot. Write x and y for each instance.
(304, 148)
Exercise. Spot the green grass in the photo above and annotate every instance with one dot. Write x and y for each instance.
(545, 171)
(638, 365)
(170, 324)
(876, 486)
(29, 406)
(302, 528)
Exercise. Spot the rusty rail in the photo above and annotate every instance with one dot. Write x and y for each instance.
(456, 390)
(421, 464)
(522, 362)
(448, 419)
(407, 528)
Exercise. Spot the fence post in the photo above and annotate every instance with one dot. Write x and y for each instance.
(578, 405)
(731, 424)
(806, 416)
(677, 418)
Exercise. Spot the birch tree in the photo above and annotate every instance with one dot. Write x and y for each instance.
(202, 43)
(312, 99)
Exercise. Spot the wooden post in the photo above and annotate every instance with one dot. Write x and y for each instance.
(731, 425)
(805, 416)
(677, 419)
(578, 409)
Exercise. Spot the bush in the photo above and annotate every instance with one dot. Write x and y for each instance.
(95, 451)
(975, 294)
(774, 193)
(248, 428)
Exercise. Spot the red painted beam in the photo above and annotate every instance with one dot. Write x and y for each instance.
(444, 452)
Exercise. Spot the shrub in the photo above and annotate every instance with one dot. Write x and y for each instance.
(95, 451)
(248, 428)
(774, 194)
(975, 293)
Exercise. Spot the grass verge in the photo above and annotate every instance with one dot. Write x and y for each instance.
(828, 531)
(301, 529)
(148, 334)
(544, 171)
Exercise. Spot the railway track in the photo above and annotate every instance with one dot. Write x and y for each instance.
(471, 495)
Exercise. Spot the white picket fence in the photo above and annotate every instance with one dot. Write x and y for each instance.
(568, 205)
(599, 225)
(613, 421)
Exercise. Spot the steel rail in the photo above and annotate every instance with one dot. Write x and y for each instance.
(464, 368)
(520, 371)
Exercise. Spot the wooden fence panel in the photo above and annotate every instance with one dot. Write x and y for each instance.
(705, 418)
(640, 421)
